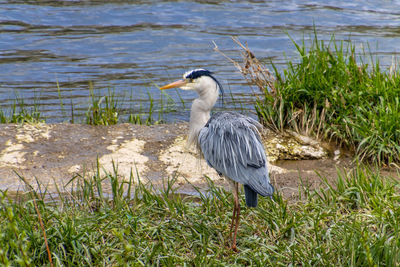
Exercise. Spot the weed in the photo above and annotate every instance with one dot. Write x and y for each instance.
(21, 113)
(99, 113)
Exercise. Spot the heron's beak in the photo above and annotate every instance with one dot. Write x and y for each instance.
(174, 85)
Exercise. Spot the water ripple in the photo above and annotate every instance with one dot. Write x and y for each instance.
(133, 46)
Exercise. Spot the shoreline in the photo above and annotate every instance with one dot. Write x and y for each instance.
(53, 154)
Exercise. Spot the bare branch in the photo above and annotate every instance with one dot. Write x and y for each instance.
(251, 68)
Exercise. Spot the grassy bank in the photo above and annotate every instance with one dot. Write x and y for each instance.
(335, 93)
(354, 224)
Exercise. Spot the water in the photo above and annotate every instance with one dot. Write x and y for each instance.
(132, 47)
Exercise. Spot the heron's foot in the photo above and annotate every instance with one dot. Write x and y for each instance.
(234, 248)
(230, 244)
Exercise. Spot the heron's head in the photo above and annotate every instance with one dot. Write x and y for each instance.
(199, 80)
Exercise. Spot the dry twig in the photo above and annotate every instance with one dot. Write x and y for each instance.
(44, 233)
(252, 69)
(30, 187)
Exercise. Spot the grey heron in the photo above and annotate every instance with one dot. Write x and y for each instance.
(230, 142)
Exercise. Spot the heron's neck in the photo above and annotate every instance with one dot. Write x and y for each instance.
(200, 111)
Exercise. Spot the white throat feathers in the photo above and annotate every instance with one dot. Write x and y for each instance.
(208, 90)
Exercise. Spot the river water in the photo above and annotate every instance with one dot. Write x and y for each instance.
(131, 47)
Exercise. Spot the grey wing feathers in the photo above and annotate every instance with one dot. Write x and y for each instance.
(231, 144)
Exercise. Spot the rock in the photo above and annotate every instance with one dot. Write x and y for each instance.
(336, 154)
(292, 146)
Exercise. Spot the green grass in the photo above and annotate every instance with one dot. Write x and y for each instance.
(21, 113)
(354, 223)
(102, 109)
(336, 94)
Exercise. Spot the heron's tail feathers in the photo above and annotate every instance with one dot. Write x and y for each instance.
(262, 187)
(270, 190)
(251, 196)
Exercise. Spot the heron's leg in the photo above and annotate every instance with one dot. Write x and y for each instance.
(233, 219)
(237, 208)
(233, 188)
